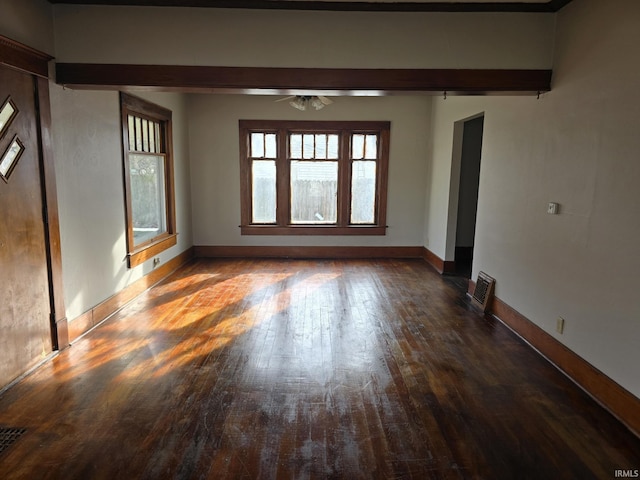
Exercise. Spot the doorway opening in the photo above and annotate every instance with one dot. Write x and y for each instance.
(463, 201)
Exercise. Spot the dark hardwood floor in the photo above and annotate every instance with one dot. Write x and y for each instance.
(306, 369)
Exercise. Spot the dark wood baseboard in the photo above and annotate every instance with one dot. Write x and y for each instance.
(442, 266)
(85, 322)
(436, 262)
(307, 252)
(616, 399)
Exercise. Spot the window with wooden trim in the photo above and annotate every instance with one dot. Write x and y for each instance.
(148, 178)
(313, 178)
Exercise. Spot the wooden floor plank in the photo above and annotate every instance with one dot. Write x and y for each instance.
(306, 369)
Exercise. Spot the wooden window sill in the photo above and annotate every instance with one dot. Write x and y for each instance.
(312, 230)
(147, 251)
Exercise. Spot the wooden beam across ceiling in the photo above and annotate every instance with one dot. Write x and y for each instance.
(339, 5)
(16, 55)
(290, 81)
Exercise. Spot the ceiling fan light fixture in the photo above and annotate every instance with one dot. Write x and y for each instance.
(299, 102)
(302, 102)
(316, 103)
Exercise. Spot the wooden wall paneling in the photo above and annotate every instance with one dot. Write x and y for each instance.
(24, 296)
(38, 311)
(33, 62)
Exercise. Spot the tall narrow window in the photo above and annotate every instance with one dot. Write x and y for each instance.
(364, 159)
(313, 178)
(148, 178)
(263, 177)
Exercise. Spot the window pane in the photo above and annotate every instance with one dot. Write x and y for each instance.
(153, 146)
(138, 134)
(308, 144)
(145, 136)
(332, 147)
(10, 157)
(314, 189)
(257, 145)
(270, 145)
(295, 143)
(147, 196)
(263, 188)
(371, 147)
(363, 192)
(132, 132)
(6, 115)
(321, 146)
(357, 147)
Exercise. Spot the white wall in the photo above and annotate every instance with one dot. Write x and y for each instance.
(578, 146)
(29, 22)
(88, 158)
(272, 38)
(215, 164)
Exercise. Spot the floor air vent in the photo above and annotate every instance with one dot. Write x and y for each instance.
(8, 436)
(484, 290)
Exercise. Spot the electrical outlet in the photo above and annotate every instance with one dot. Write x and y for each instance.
(560, 325)
(552, 208)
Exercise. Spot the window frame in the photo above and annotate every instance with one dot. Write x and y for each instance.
(282, 129)
(131, 105)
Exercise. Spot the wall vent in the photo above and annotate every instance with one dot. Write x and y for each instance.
(483, 292)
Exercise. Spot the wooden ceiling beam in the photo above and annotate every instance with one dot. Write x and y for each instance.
(298, 81)
(365, 6)
(16, 55)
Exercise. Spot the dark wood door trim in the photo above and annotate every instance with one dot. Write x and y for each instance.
(336, 81)
(59, 330)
